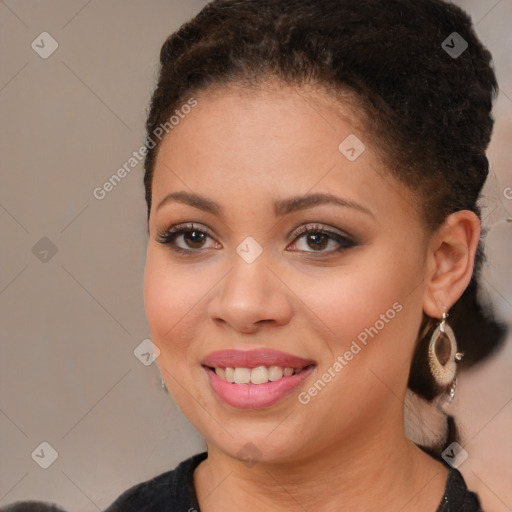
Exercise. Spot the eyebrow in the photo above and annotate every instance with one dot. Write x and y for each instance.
(281, 206)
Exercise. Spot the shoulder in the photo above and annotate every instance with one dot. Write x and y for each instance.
(457, 497)
(170, 491)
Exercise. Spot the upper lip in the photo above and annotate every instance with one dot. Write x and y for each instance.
(252, 358)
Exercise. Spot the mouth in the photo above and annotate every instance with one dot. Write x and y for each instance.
(252, 379)
(257, 375)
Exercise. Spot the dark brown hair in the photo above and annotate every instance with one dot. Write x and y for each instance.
(31, 506)
(429, 112)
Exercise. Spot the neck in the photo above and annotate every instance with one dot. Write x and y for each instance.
(375, 472)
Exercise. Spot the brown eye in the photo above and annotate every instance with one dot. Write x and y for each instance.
(192, 238)
(318, 239)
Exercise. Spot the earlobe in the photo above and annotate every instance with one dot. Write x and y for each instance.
(451, 260)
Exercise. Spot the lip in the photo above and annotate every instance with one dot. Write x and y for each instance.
(256, 396)
(252, 358)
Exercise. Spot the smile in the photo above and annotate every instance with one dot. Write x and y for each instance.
(253, 379)
(258, 375)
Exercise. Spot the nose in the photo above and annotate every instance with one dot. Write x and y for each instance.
(250, 297)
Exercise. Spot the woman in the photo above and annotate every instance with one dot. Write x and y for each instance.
(312, 175)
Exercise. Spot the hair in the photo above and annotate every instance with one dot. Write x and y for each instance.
(31, 506)
(428, 113)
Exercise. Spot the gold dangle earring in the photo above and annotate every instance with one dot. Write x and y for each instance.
(443, 356)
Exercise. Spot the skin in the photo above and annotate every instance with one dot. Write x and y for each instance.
(245, 148)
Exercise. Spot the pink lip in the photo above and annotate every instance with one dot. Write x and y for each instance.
(256, 396)
(253, 358)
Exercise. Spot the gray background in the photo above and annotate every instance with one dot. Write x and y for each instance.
(70, 321)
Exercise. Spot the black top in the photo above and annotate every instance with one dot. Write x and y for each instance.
(174, 491)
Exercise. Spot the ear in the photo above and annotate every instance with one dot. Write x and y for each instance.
(450, 261)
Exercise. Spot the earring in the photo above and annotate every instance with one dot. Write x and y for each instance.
(162, 384)
(443, 356)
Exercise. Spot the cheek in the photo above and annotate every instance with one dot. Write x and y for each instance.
(352, 299)
(172, 300)
(376, 303)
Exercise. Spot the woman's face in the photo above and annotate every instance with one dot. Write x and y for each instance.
(344, 301)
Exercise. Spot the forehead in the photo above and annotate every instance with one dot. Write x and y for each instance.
(261, 144)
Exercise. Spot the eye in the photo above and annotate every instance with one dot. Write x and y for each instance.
(318, 238)
(193, 238)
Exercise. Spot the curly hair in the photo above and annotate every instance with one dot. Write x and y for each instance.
(429, 113)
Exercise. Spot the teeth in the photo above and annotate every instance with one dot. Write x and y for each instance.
(258, 375)
(242, 375)
(230, 374)
(275, 373)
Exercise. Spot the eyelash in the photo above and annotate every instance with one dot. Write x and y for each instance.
(168, 236)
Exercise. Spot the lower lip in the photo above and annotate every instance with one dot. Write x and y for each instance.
(256, 396)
